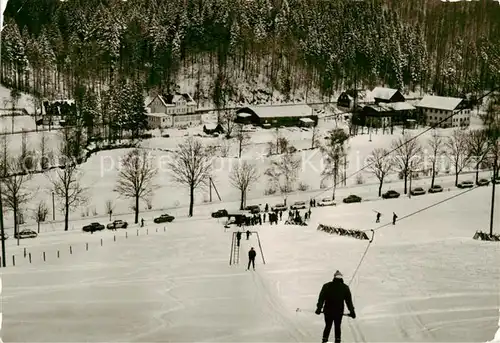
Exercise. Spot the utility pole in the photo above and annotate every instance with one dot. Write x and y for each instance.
(53, 208)
(2, 230)
(409, 191)
(210, 189)
(492, 213)
(371, 123)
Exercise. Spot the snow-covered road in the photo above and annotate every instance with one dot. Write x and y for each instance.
(424, 279)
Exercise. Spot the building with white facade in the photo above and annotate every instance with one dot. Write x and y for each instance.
(444, 112)
(178, 110)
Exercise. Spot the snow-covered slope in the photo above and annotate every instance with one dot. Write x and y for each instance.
(423, 280)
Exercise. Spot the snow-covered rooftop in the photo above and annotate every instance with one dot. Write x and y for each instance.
(439, 102)
(401, 106)
(383, 93)
(301, 110)
(157, 115)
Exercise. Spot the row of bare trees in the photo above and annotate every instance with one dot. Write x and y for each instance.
(460, 150)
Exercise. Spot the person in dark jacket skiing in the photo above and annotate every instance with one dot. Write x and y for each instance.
(378, 217)
(394, 217)
(251, 258)
(331, 301)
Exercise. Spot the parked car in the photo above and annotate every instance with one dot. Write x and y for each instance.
(219, 214)
(466, 184)
(352, 198)
(483, 182)
(4, 237)
(26, 233)
(298, 205)
(326, 202)
(93, 227)
(117, 224)
(435, 189)
(390, 195)
(417, 191)
(254, 209)
(279, 207)
(164, 218)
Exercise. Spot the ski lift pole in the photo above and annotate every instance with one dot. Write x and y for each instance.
(260, 247)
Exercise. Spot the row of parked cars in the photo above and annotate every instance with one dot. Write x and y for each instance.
(25, 233)
(298, 205)
(121, 224)
(392, 194)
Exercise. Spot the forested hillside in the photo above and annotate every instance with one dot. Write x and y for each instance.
(223, 47)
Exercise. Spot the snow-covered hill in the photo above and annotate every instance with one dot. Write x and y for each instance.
(423, 279)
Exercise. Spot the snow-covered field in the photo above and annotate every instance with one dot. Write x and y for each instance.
(99, 173)
(423, 280)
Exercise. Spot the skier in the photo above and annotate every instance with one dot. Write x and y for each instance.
(309, 213)
(251, 258)
(281, 215)
(378, 217)
(238, 238)
(248, 234)
(394, 217)
(331, 300)
(264, 217)
(142, 222)
(267, 208)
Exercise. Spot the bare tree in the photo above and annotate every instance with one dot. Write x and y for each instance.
(459, 153)
(227, 121)
(44, 159)
(224, 147)
(109, 208)
(242, 177)
(66, 185)
(283, 171)
(314, 139)
(478, 144)
(190, 166)
(380, 164)
(40, 213)
(436, 143)
(243, 140)
(407, 151)
(335, 152)
(14, 192)
(135, 178)
(4, 154)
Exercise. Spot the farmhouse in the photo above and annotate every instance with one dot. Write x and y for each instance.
(346, 99)
(387, 95)
(444, 112)
(390, 114)
(180, 108)
(281, 115)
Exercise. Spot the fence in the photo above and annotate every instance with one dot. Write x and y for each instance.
(43, 256)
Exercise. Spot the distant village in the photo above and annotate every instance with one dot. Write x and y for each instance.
(385, 108)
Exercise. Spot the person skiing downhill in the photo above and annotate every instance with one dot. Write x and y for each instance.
(251, 258)
(378, 217)
(331, 300)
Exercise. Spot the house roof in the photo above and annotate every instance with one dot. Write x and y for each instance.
(171, 99)
(379, 108)
(297, 111)
(306, 120)
(401, 106)
(383, 93)
(439, 102)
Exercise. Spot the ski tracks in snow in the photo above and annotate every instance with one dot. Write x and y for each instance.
(278, 311)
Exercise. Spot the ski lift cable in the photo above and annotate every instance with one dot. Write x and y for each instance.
(404, 217)
(392, 151)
